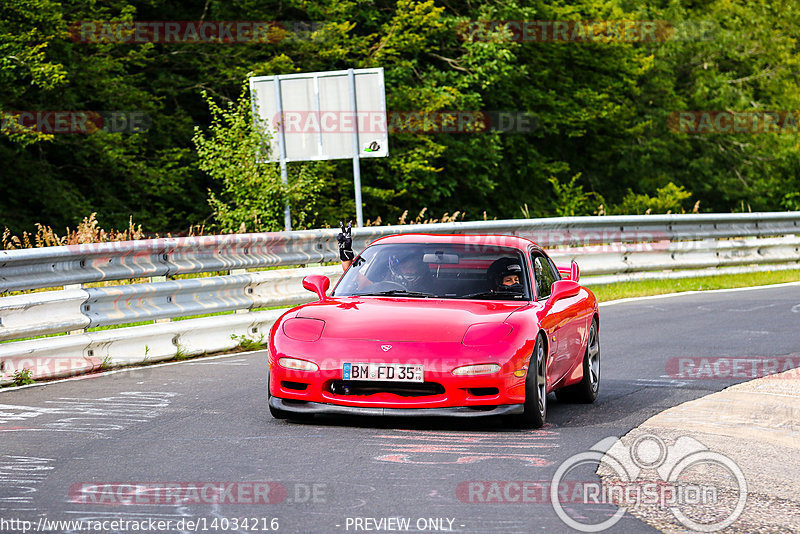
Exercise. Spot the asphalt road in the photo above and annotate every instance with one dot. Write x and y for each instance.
(73, 450)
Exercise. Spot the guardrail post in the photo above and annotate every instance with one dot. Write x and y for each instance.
(75, 286)
(234, 272)
(160, 279)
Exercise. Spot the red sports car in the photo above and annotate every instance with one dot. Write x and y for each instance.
(439, 325)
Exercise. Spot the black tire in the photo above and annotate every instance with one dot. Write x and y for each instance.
(535, 390)
(585, 391)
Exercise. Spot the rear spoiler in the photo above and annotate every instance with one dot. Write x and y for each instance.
(570, 272)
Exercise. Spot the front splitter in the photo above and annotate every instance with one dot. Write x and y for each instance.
(453, 411)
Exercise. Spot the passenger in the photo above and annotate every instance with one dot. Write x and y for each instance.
(505, 275)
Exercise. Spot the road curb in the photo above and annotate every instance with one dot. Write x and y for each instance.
(757, 425)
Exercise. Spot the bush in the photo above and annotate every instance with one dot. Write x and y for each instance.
(668, 199)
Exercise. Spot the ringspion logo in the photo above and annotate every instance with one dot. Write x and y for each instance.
(705, 491)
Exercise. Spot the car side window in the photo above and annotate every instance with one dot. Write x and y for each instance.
(543, 275)
(553, 268)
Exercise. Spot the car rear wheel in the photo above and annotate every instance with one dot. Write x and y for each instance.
(586, 390)
(535, 390)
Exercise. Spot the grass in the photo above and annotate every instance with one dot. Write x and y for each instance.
(245, 343)
(23, 377)
(643, 288)
(181, 354)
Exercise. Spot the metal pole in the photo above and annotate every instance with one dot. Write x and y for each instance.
(287, 217)
(356, 157)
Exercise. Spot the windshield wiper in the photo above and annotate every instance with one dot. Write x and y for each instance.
(500, 295)
(396, 293)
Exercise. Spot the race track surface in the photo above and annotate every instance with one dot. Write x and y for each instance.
(205, 423)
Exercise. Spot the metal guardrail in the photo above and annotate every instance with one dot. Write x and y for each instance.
(607, 248)
(54, 312)
(97, 262)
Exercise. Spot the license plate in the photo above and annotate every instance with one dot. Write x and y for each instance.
(394, 372)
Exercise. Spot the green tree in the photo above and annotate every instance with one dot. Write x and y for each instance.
(252, 196)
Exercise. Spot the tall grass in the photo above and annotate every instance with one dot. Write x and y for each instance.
(87, 231)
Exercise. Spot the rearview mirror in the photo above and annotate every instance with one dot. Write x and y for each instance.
(318, 284)
(440, 258)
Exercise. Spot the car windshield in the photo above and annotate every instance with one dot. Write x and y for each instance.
(452, 271)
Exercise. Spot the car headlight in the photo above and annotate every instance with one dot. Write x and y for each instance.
(486, 333)
(303, 328)
(297, 365)
(480, 369)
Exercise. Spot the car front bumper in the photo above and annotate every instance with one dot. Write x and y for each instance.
(308, 407)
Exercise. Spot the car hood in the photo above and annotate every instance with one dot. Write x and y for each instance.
(404, 319)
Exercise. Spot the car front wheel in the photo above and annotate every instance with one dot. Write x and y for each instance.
(586, 390)
(535, 389)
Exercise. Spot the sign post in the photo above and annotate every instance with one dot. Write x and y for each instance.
(324, 115)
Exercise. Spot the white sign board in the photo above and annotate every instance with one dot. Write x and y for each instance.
(323, 115)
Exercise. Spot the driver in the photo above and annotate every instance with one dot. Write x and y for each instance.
(410, 271)
(405, 268)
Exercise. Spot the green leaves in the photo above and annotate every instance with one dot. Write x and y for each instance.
(572, 200)
(668, 199)
(251, 197)
(601, 111)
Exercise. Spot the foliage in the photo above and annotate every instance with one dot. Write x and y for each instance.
(791, 201)
(23, 377)
(181, 353)
(668, 199)
(601, 109)
(572, 200)
(245, 343)
(252, 197)
(88, 231)
(27, 29)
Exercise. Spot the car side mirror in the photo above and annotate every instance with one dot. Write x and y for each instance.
(318, 284)
(563, 289)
